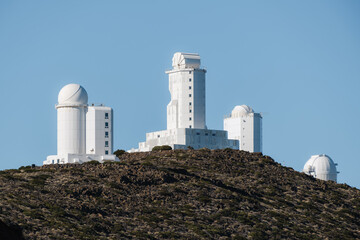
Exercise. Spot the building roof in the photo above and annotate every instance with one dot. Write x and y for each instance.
(72, 94)
(186, 60)
(241, 110)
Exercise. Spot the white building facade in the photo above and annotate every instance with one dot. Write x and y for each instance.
(244, 125)
(321, 167)
(186, 112)
(84, 133)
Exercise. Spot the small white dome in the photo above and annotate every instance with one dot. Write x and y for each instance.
(240, 111)
(73, 94)
(321, 167)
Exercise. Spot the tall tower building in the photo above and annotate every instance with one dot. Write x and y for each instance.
(245, 125)
(186, 125)
(187, 88)
(84, 133)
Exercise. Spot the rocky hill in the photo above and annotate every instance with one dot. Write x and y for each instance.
(186, 194)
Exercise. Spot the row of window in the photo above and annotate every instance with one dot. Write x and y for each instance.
(207, 134)
(106, 133)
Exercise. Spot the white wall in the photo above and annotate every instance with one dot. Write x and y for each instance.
(247, 129)
(71, 130)
(96, 127)
(181, 138)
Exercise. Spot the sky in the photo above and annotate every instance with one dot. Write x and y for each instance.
(296, 62)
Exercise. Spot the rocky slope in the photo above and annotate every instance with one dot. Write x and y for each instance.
(219, 194)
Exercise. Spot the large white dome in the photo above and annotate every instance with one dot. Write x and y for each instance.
(240, 111)
(321, 167)
(73, 94)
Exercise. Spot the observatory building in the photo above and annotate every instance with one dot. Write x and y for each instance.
(321, 167)
(84, 133)
(186, 125)
(245, 125)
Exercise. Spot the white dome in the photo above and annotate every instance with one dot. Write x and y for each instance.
(73, 94)
(321, 167)
(240, 111)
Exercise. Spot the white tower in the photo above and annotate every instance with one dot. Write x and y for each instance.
(187, 88)
(246, 126)
(84, 133)
(71, 123)
(321, 167)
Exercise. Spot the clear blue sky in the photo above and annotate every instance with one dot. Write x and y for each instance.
(298, 62)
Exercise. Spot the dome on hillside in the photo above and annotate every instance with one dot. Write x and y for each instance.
(321, 167)
(240, 111)
(73, 94)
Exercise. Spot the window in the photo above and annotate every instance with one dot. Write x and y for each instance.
(189, 118)
(158, 136)
(190, 111)
(189, 95)
(213, 134)
(197, 133)
(106, 134)
(189, 103)
(189, 87)
(106, 152)
(206, 134)
(190, 126)
(106, 115)
(106, 125)
(106, 143)
(189, 72)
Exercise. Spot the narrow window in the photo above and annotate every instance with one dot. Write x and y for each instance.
(189, 118)
(106, 115)
(190, 126)
(106, 143)
(189, 72)
(106, 134)
(190, 111)
(106, 152)
(106, 125)
(189, 87)
(189, 103)
(189, 95)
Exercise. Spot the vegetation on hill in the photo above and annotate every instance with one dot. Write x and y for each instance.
(186, 194)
